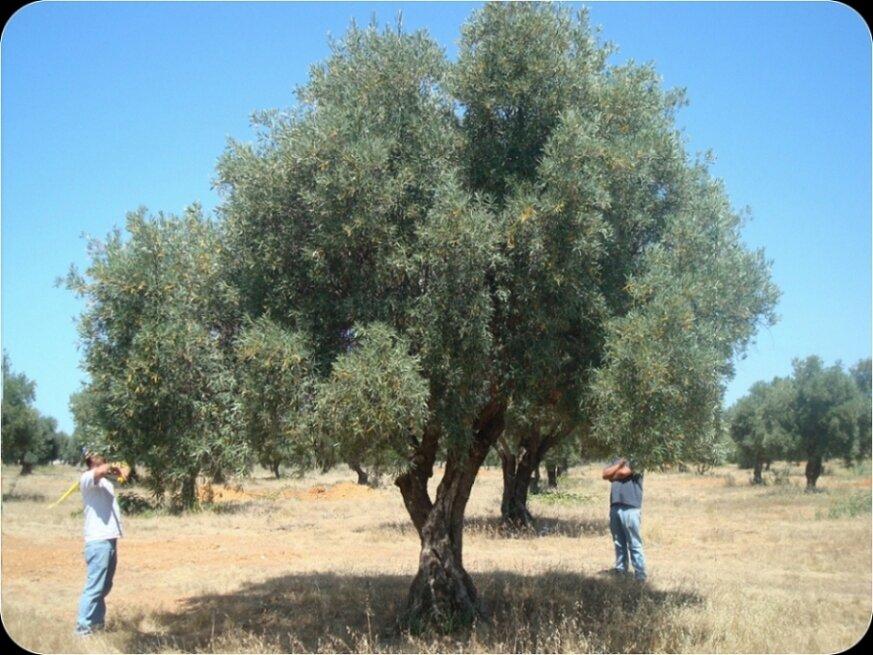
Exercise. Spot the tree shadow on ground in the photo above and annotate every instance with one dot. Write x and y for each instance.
(542, 526)
(493, 526)
(132, 503)
(325, 612)
(16, 497)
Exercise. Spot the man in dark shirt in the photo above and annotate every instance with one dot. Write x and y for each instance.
(626, 500)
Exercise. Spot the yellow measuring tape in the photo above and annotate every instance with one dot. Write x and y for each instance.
(65, 494)
(121, 480)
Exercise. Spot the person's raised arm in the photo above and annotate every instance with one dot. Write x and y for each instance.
(102, 470)
(610, 471)
(623, 472)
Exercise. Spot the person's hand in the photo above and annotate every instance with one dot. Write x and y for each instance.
(117, 472)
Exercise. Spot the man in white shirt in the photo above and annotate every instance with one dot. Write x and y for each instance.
(102, 530)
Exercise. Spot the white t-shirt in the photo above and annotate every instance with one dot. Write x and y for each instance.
(102, 514)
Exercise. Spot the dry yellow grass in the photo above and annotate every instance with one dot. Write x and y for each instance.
(316, 564)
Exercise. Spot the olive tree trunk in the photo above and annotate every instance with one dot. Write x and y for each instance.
(552, 472)
(442, 594)
(363, 477)
(813, 471)
(535, 481)
(517, 477)
(188, 494)
(757, 477)
(519, 471)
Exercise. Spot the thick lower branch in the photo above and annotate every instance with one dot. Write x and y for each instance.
(413, 483)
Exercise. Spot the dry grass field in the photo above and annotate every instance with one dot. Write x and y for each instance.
(321, 564)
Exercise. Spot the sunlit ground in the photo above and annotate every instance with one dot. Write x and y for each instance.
(322, 564)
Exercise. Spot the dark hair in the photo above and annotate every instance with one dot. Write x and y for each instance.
(89, 455)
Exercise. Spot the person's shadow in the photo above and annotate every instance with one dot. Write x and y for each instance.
(315, 612)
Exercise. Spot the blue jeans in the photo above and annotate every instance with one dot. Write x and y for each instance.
(101, 557)
(624, 521)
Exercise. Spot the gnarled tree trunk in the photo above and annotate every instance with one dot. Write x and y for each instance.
(442, 594)
(757, 477)
(363, 478)
(517, 476)
(518, 472)
(813, 470)
(188, 494)
(552, 472)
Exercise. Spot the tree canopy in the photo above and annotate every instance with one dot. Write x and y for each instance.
(828, 411)
(156, 334)
(275, 394)
(761, 424)
(818, 413)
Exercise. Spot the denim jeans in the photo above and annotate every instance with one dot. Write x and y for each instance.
(100, 557)
(624, 521)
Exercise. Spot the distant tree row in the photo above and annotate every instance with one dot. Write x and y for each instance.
(28, 437)
(818, 412)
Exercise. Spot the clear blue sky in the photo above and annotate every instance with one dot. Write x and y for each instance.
(109, 106)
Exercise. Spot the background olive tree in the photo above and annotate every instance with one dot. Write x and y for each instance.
(761, 425)
(28, 437)
(861, 374)
(820, 412)
(827, 411)
(157, 333)
(275, 394)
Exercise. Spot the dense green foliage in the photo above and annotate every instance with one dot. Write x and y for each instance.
(827, 411)
(761, 424)
(275, 394)
(861, 374)
(373, 406)
(818, 413)
(156, 333)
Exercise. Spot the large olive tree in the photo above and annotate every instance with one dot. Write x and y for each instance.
(521, 228)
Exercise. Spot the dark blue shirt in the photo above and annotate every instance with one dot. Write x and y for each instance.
(628, 491)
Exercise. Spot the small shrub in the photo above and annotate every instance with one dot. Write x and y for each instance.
(848, 506)
(131, 503)
(556, 497)
(780, 476)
